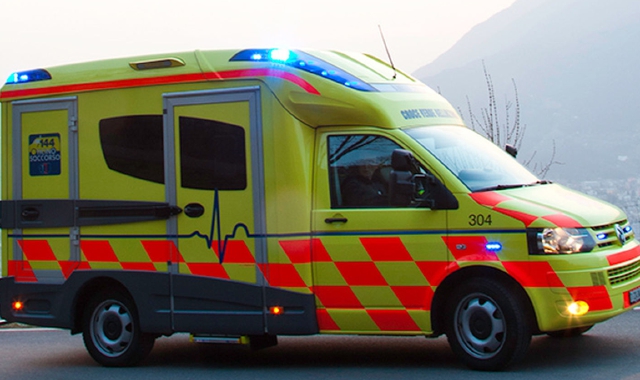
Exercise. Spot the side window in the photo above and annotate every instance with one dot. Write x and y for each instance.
(133, 145)
(359, 168)
(212, 155)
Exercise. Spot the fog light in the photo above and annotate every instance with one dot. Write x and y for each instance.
(578, 308)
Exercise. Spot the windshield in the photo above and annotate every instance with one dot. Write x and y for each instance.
(476, 161)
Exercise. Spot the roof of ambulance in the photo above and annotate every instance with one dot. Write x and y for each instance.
(355, 88)
(365, 68)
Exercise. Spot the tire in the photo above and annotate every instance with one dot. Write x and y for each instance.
(569, 333)
(488, 325)
(111, 331)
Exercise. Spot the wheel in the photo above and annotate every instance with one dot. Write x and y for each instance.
(488, 326)
(569, 333)
(111, 331)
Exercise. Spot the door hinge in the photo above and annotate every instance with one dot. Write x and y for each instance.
(73, 124)
(74, 235)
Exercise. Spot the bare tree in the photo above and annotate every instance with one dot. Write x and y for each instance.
(511, 132)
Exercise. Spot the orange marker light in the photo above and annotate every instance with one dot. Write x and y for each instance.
(18, 305)
(276, 310)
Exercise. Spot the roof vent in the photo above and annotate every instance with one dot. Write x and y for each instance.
(162, 63)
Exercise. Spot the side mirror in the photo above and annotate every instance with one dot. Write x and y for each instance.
(408, 186)
(512, 150)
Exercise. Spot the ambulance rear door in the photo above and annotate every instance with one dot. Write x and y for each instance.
(44, 181)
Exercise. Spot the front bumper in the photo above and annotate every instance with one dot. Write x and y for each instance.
(606, 281)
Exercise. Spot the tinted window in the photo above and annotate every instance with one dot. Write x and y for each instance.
(359, 168)
(212, 155)
(133, 145)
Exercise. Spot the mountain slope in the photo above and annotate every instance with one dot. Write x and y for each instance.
(577, 67)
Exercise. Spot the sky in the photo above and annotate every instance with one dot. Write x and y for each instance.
(45, 33)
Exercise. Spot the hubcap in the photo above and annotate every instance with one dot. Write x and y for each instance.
(480, 326)
(111, 328)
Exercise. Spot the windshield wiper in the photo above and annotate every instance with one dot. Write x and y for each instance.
(514, 186)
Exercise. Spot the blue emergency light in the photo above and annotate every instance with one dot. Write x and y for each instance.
(29, 76)
(493, 247)
(302, 61)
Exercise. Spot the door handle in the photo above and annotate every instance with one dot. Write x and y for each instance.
(193, 210)
(30, 214)
(340, 219)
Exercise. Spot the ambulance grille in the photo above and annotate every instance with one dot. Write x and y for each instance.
(624, 273)
(606, 234)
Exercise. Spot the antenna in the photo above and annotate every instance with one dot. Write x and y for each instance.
(395, 74)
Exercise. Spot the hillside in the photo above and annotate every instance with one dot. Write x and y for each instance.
(577, 67)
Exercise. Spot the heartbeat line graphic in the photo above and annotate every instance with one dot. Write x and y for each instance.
(216, 230)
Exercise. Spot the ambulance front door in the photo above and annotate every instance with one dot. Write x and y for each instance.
(376, 265)
(213, 150)
(44, 177)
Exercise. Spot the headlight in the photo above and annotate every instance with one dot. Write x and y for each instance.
(552, 241)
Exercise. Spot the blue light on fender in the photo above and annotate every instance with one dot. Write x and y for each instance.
(493, 247)
(304, 62)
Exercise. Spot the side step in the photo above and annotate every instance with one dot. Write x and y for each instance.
(256, 342)
(222, 339)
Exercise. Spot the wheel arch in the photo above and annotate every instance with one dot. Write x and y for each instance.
(87, 291)
(443, 291)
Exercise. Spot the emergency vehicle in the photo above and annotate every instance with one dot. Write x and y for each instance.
(242, 195)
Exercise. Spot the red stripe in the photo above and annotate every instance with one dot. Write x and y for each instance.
(38, 250)
(98, 250)
(170, 79)
(469, 248)
(527, 219)
(236, 252)
(319, 252)
(533, 274)
(325, 322)
(393, 320)
(414, 297)
(386, 249)
(162, 251)
(21, 270)
(337, 297)
(489, 198)
(361, 274)
(436, 271)
(298, 251)
(208, 269)
(621, 257)
(596, 296)
(282, 275)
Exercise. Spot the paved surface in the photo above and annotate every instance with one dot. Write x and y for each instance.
(611, 350)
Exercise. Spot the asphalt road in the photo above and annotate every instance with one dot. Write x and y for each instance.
(611, 350)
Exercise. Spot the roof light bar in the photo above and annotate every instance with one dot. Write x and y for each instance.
(28, 76)
(305, 62)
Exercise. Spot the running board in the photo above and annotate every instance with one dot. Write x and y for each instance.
(256, 342)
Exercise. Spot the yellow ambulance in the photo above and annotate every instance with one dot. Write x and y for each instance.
(241, 195)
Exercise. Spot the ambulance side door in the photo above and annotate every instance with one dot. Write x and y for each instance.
(213, 172)
(377, 266)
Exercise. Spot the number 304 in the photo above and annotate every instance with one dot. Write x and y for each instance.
(479, 220)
